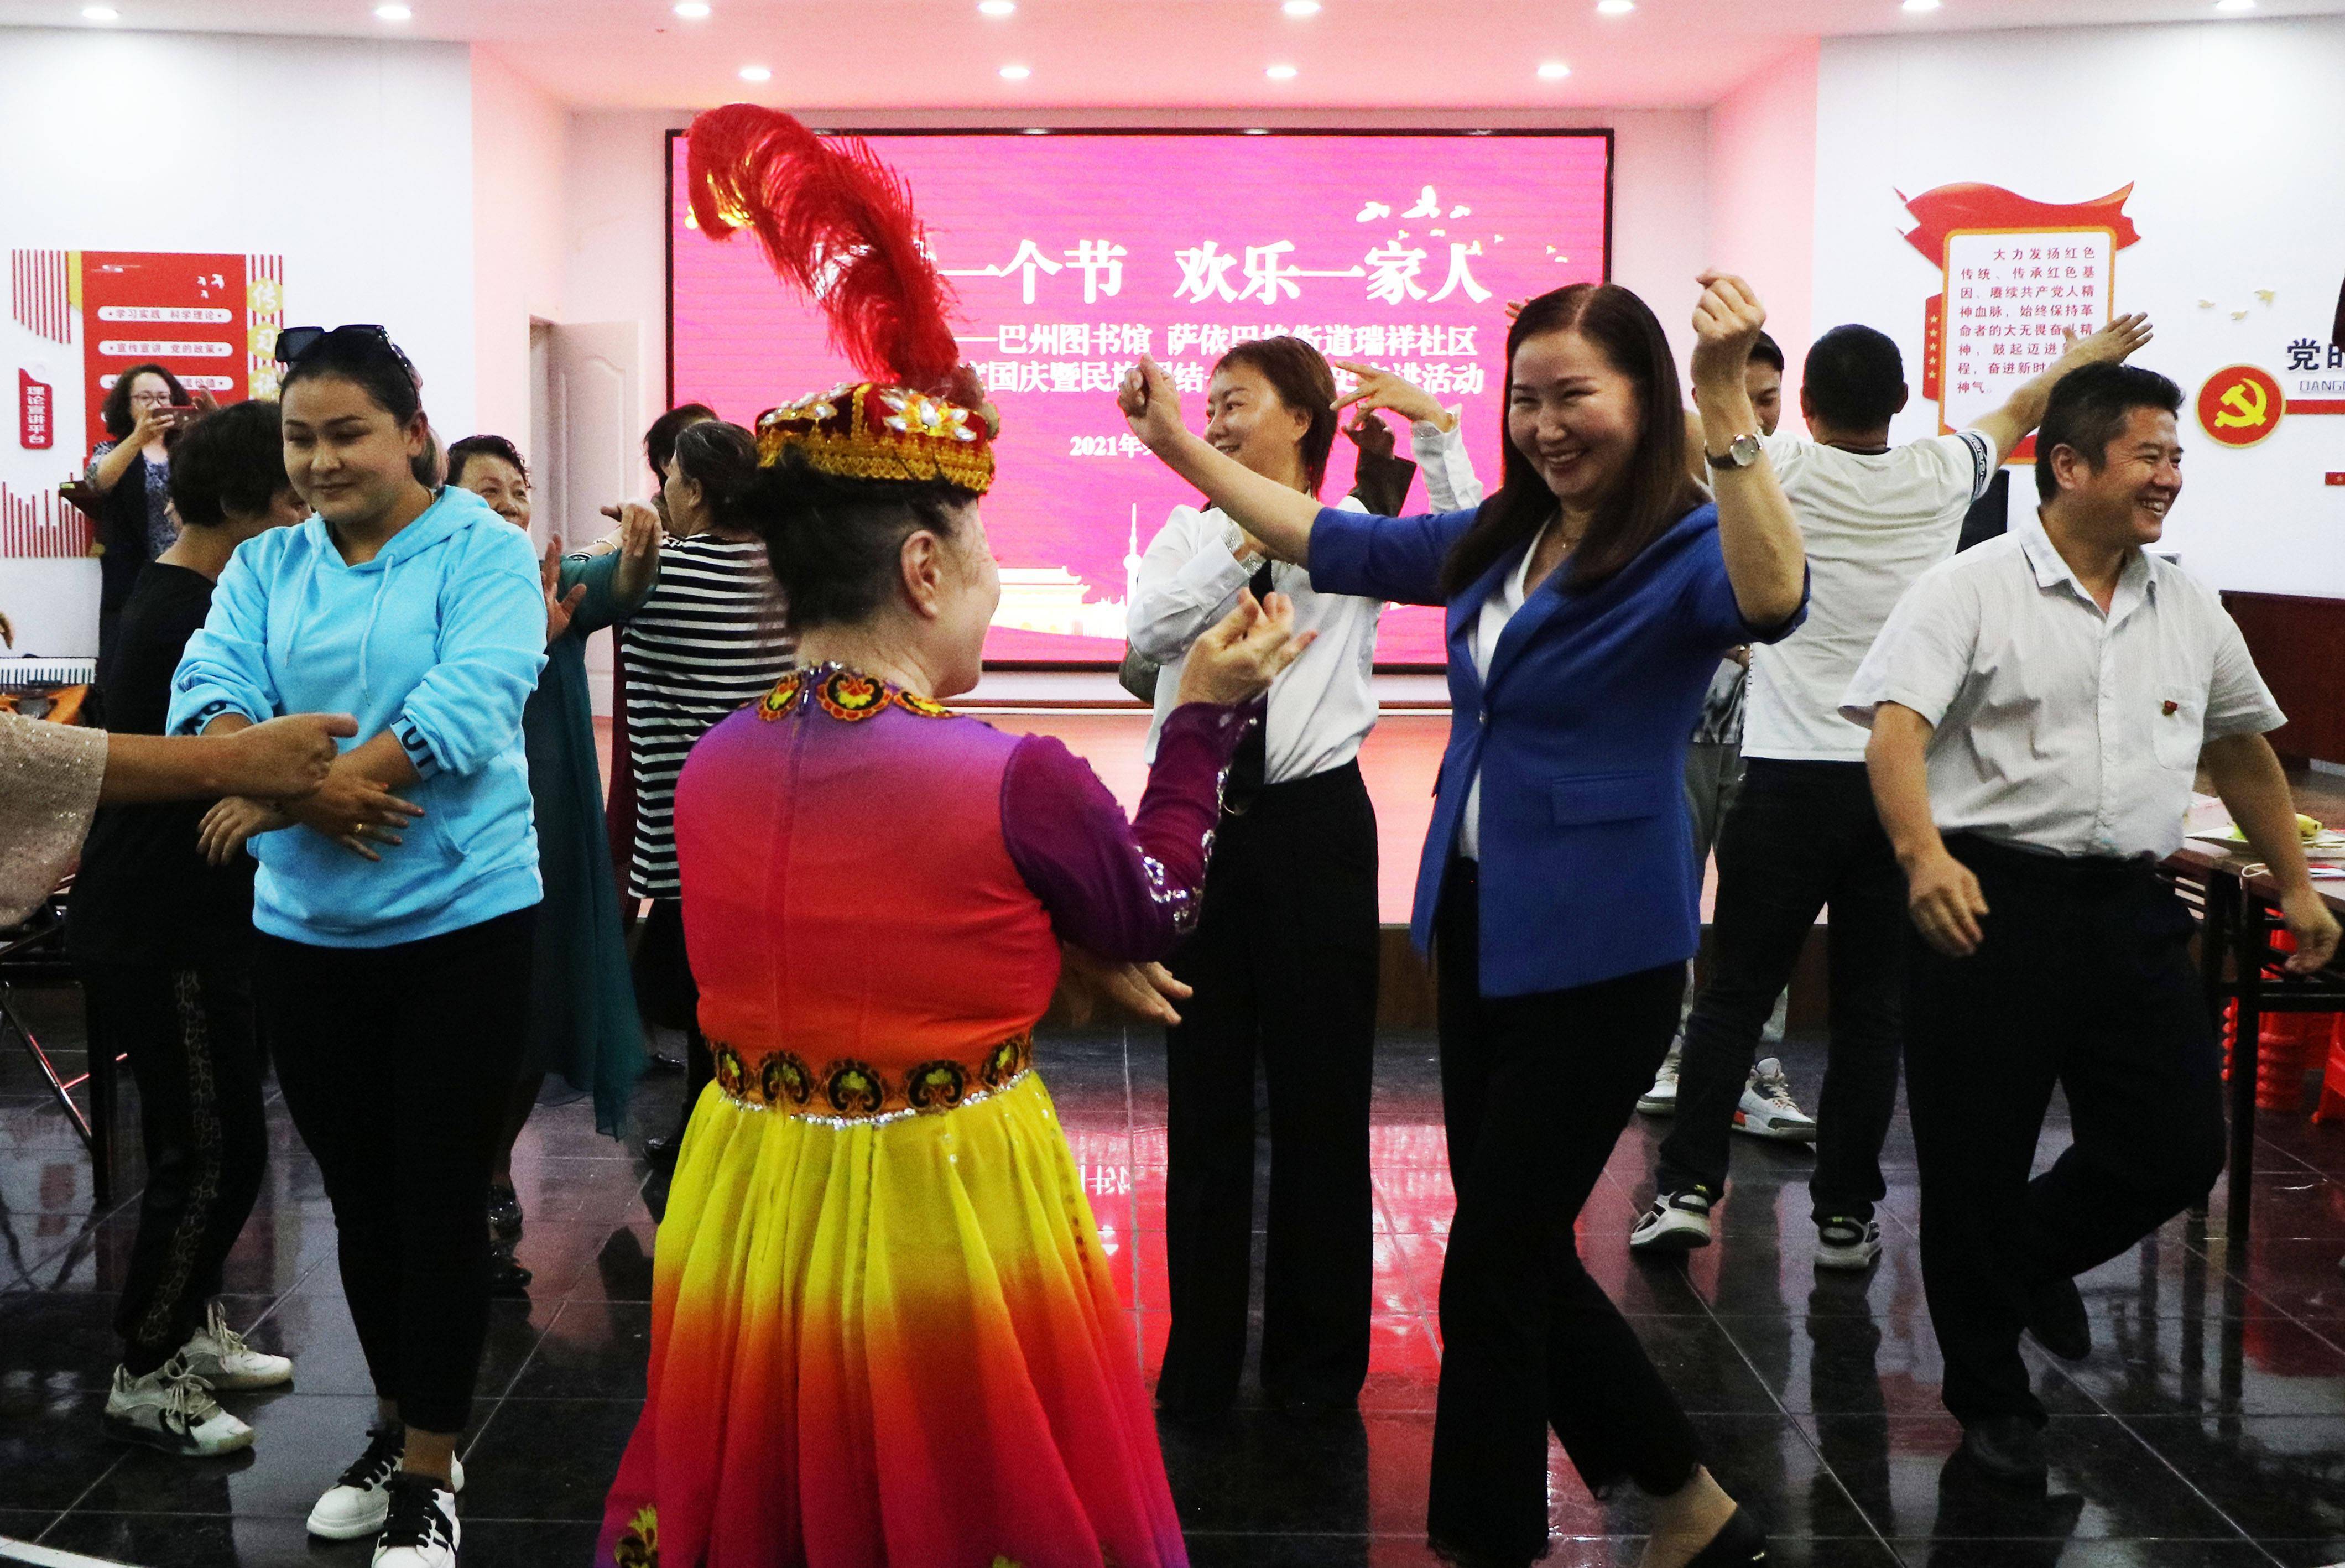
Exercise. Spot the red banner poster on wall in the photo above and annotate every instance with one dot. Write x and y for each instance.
(35, 413)
(189, 313)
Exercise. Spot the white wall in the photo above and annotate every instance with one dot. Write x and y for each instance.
(519, 134)
(617, 181)
(2231, 133)
(1762, 200)
(353, 160)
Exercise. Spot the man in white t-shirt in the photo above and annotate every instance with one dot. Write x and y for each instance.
(2040, 707)
(1803, 834)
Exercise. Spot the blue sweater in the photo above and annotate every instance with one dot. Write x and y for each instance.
(439, 639)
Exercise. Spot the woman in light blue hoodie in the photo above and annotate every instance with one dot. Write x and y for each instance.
(396, 905)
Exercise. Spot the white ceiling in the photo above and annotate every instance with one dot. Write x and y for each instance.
(1109, 54)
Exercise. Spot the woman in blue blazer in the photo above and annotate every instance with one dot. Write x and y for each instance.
(1588, 601)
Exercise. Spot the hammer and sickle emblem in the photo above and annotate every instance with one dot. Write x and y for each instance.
(2248, 406)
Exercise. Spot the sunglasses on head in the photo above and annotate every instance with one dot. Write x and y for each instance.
(294, 342)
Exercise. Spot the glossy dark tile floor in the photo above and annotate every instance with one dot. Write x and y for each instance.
(2208, 1429)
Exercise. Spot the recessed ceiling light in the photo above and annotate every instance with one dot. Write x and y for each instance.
(1038, 130)
(997, 7)
(394, 13)
(756, 74)
(1301, 7)
(100, 13)
(1615, 8)
(693, 11)
(1257, 130)
(1921, 5)
(1280, 72)
(1016, 73)
(1553, 70)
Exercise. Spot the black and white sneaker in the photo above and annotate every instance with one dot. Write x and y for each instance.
(1678, 1222)
(360, 1502)
(420, 1530)
(1845, 1242)
(173, 1410)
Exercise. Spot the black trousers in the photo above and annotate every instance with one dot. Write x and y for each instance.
(666, 995)
(2084, 979)
(188, 1033)
(1535, 1091)
(1284, 963)
(397, 1064)
(1802, 836)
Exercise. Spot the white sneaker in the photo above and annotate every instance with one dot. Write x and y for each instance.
(1768, 1111)
(1678, 1222)
(173, 1410)
(420, 1529)
(358, 1504)
(1661, 1099)
(1846, 1243)
(218, 1355)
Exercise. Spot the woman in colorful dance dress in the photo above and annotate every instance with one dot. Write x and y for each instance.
(883, 1328)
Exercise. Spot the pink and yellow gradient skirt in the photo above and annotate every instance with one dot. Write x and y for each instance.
(887, 1337)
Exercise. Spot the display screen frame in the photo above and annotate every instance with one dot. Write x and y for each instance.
(667, 245)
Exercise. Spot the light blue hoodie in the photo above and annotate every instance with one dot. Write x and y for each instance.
(440, 639)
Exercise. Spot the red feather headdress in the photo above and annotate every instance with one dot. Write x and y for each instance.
(835, 222)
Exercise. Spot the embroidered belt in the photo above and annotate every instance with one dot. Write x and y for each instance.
(849, 1093)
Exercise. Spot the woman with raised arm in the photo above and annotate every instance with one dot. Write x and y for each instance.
(1588, 601)
(883, 1325)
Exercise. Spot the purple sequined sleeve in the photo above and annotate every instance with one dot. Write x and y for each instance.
(1126, 890)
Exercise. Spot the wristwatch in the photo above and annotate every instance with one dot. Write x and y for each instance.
(1741, 453)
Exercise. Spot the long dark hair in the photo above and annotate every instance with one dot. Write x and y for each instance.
(1304, 382)
(1654, 492)
(115, 412)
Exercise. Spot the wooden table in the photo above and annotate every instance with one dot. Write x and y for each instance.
(2239, 907)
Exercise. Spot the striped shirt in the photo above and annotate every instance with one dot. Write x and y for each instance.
(708, 639)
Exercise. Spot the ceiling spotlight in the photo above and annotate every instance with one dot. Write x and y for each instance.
(1553, 70)
(394, 13)
(1615, 8)
(1280, 72)
(1301, 7)
(1920, 5)
(1016, 73)
(1037, 130)
(756, 74)
(693, 11)
(100, 13)
(1257, 130)
(997, 7)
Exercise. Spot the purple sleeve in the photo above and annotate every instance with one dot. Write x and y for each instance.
(1126, 890)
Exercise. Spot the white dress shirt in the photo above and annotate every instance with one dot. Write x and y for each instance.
(1322, 706)
(2060, 727)
(1488, 627)
(1871, 523)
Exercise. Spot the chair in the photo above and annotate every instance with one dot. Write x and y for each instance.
(34, 953)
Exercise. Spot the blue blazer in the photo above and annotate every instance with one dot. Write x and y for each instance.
(1580, 736)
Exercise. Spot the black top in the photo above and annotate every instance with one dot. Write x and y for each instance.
(144, 894)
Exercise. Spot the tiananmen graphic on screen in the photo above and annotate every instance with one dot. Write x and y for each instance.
(1073, 254)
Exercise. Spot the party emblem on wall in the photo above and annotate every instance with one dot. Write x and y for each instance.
(2240, 405)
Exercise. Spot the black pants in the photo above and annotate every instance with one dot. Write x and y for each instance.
(1284, 963)
(1535, 1091)
(2084, 979)
(397, 1063)
(188, 1033)
(666, 995)
(1802, 836)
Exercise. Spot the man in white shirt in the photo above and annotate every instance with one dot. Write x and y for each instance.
(2039, 707)
(1284, 961)
(1803, 834)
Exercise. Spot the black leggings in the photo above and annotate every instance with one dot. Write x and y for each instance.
(397, 1064)
(1534, 1092)
(189, 1036)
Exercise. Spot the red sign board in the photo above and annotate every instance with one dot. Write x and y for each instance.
(37, 426)
(188, 314)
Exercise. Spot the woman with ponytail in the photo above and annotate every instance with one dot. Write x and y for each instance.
(707, 640)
